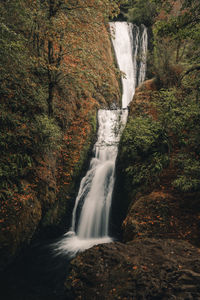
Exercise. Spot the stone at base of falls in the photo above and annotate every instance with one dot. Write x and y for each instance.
(143, 269)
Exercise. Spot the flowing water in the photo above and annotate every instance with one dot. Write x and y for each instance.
(90, 218)
(130, 45)
(142, 54)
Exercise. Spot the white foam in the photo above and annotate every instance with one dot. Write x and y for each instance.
(71, 244)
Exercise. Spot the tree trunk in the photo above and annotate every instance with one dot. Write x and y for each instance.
(50, 98)
(50, 79)
(50, 63)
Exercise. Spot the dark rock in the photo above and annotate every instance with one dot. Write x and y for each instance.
(160, 214)
(143, 269)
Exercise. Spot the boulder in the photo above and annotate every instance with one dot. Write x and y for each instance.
(142, 269)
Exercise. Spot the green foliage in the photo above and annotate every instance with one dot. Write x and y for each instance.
(180, 30)
(143, 12)
(189, 178)
(16, 165)
(164, 62)
(179, 115)
(86, 150)
(142, 152)
(22, 96)
(47, 133)
(175, 56)
(176, 41)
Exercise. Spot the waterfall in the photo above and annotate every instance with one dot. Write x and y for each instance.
(126, 52)
(142, 55)
(130, 45)
(90, 217)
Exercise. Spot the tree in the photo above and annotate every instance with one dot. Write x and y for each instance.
(179, 115)
(143, 12)
(58, 41)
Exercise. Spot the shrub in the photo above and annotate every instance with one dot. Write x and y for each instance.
(179, 115)
(143, 152)
(47, 133)
(142, 12)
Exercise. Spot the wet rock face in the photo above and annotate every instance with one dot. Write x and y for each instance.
(143, 269)
(162, 214)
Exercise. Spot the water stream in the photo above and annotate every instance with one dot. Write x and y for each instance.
(90, 218)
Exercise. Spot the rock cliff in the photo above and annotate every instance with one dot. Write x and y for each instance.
(39, 200)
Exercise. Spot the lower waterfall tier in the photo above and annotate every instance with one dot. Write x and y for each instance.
(90, 219)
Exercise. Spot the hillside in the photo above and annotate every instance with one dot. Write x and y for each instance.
(57, 69)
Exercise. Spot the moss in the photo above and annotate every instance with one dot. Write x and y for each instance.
(88, 145)
(23, 215)
(58, 216)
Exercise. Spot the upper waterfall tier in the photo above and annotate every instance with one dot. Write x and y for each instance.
(130, 45)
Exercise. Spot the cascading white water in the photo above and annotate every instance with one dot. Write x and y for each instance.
(143, 54)
(90, 218)
(98, 183)
(130, 44)
(126, 57)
